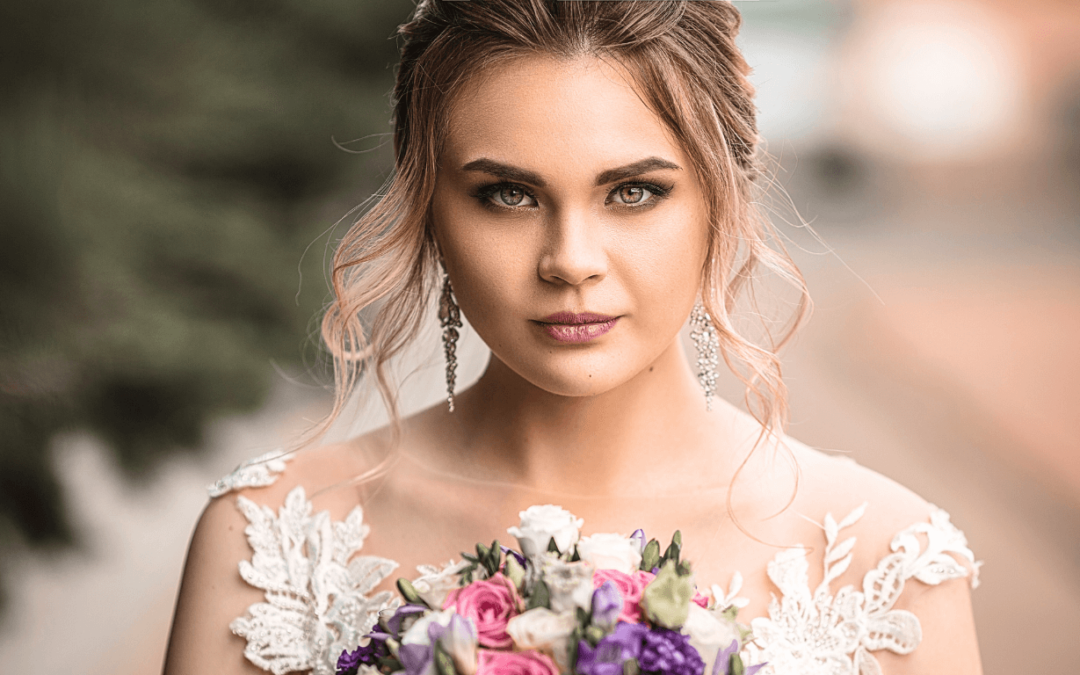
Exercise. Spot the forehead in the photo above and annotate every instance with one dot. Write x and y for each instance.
(564, 112)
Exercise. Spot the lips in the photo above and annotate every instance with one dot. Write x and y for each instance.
(577, 328)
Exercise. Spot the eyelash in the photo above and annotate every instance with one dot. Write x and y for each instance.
(484, 194)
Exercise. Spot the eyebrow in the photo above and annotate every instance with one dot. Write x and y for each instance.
(517, 174)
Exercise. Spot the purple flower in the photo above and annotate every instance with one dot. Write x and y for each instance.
(612, 651)
(370, 654)
(404, 617)
(723, 661)
(668, 652)
(416, 659)
(639, 537)
(349, 662)
(517, 556)
(607, 604)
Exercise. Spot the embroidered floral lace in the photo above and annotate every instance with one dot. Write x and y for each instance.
(319, 601)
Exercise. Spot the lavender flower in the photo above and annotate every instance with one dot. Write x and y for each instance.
(612, 651)
(607, 604)
(370, 654)
(349, 662)
(416, 659)
(724, 660)
(404, 617)
(639, 537)
(668, 652)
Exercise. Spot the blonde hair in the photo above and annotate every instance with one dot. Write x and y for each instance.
(689, 72)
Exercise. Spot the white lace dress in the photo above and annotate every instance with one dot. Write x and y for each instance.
(319, 600)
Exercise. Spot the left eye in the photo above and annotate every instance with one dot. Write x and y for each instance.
(632, 194)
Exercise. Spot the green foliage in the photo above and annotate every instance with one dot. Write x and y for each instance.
(666, 600)
(541, 596)
(514, 572)
(408, 591)
(163, 168)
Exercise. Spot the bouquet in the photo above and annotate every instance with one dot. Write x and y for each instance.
(601, 605)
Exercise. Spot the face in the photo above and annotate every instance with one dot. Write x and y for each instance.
(571, 223)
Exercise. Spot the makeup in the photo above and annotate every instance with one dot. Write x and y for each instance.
(577, 328)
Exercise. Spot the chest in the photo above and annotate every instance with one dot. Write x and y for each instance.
(433, 530)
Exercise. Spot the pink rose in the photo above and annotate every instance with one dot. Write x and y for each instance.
(631, 587)
(515, 663)
(490, 604)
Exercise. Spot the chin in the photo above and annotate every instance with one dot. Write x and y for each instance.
(576, 378)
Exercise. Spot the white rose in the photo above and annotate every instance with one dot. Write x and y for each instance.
(611, 552)
(435, 584)
(418, 632)
(569, 584)
(544, 630)
(708, 633)
(540, 523)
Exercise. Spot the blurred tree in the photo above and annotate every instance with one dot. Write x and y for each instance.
(163, 167)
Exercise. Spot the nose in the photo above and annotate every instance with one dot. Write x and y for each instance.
(573, 251)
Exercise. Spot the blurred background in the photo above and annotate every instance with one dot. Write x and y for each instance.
(173, 175)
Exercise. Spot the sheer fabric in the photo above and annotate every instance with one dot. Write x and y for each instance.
(318, 588)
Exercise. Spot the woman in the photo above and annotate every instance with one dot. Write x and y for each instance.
(579, 178)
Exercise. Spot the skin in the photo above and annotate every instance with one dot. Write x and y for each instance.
(571, 245)
(614, 429)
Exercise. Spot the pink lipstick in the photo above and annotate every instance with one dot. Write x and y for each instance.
(577, 328)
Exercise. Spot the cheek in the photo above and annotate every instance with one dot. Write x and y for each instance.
(663, 272)
(490, 271)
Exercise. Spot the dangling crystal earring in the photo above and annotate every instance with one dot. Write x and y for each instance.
(450, 320)
(703, 333)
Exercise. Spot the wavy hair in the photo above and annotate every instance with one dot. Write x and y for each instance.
(688, 70)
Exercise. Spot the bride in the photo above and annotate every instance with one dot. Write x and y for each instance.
(579, 180)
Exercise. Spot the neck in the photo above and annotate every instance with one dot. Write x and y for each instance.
(649, 435)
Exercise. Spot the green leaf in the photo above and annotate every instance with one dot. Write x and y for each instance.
(553, 547)
(514, 572)
(737, 667)
(444, 665)
(583, 617)
(575, 638)
(650, 558)
(408, 592)
(594, 634)
(631, 667)
(541, 596)
(674, 549)
(494, 558)
(393, 645)
(667, 597)
(481, 552)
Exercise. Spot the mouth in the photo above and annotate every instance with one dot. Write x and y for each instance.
(577, 328)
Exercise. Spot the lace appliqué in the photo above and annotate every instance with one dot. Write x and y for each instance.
(257, 472)
(316, 596)
(819, 633)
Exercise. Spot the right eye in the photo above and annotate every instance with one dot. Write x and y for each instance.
(503, 196)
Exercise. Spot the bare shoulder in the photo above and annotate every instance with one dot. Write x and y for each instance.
(214, 593)
(910, 553)
(837, 484)
(883, 515)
